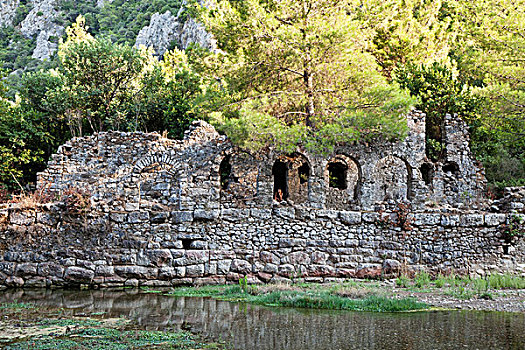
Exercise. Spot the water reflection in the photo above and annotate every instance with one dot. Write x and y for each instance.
(254, 327)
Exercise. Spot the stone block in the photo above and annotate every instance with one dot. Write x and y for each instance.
(262, 214)
(154, 257)
(159, 217)
(118, 217)
(22, 218)
(201, 214)
(192, 257)
(26, 269)
(48, 269)
(235, 214)
(291, 242)
(131, 206)
(224, 266)
(449, 220)
(286, 270)
(350, 217)
(46, 219)
(495, 219)
(370, 217)
(104, 270)
(78, 275)
(179, 217)
(285, 213)
(13, 281)
(472, 220)
(268, 257)
(241, 266)
(329, 214)
(138, 272)
(427, 219)
(195, 270)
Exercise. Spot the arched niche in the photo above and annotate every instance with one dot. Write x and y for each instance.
(291, 178)
(342, 176)
(392, 180)
(157, 181)
(238, 174)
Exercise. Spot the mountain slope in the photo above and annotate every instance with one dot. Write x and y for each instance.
(31, 29)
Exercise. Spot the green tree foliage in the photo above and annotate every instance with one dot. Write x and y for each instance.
(482, 80)
(408, 31)
(440, 92)
(100, 79)
(293, 68)
(22, 136)
(170, 97)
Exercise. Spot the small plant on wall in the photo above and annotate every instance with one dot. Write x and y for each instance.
(404, 217)
(514, 229)
(76, 200)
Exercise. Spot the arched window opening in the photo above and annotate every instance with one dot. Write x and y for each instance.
(304, 173)
(451, 167)
(225, 170)
(280, 181)
(337, 175)
(427, 172)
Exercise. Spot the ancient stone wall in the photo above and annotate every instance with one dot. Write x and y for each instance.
(140, 209)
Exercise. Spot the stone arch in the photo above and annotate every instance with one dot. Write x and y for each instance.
(291, 178)
(158, 180)
(392, 178)
(342, 175)
(159, 161)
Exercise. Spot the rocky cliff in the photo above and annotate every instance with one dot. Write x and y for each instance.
(42, 24)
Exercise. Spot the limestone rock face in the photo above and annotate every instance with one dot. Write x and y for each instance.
(163, 29)
(7, 12)
(194, 32)
(101, 3)
(166, 28)
(39, 22)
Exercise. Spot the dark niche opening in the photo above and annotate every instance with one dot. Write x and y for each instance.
(337, 175)
(225, 170)
(451, 167)
(427, 172)
(280, 181)
(186, 243)
(304, 173)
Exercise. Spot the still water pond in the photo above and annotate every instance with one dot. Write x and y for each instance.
(254, 327)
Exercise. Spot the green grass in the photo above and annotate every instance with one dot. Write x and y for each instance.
(16, 305)
(333, 302)
(462, 287)
(110, 339)
(48, 322)
(311, 297)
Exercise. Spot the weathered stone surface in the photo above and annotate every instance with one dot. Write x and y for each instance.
(22, 218)
(495, 219)
(206, 214)
(350, 217)
(50, 270)
(162, 30)
(79, 275)
(179, 217)
(241, 266)
(136, 272)
(187, 222)
(472, 220)
(26, 269)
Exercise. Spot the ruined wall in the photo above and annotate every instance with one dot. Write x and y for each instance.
(138, 248)
(166, 212)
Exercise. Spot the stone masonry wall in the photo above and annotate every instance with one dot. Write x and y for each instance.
(140, 209)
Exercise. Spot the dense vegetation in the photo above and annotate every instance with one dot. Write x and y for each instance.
(287, 73)
(119, 21)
